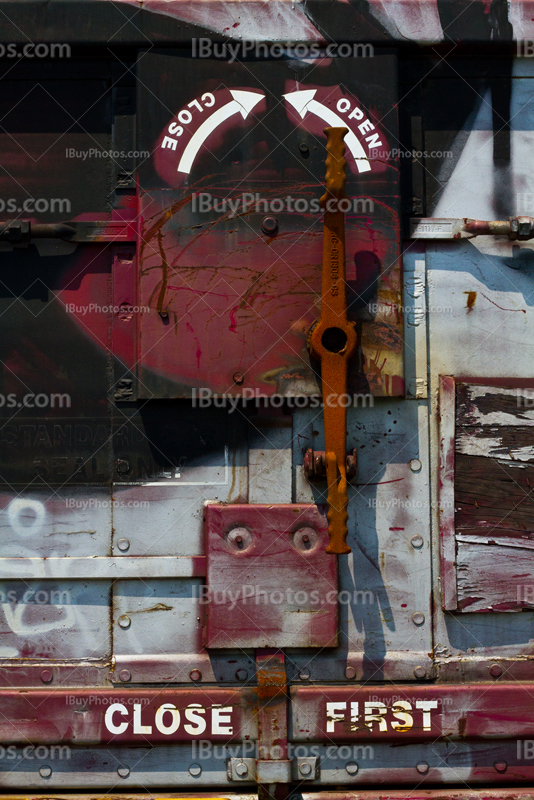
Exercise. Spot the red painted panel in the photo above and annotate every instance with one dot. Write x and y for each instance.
(132, 716)
(272, 589)
(496, 711)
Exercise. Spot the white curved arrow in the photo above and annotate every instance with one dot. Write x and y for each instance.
(242, 103)
(303, 101)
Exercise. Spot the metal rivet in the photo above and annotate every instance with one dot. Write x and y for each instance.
(123, 544)
(417, 542)
(304, 674)
(195, 675)
(495, 670)
(241, 674)
(123, 772)
(304, 149)
(45, 772)
(123, 466)
(420, 672)
(195, 770)
(305, 769)
(46, 676)
(350, 673)
(125, 675)
(241, 769)
(501, 766)
(269, 225)
(351, 767)
(418, 618)
(415, 465)
(124, 621)
(422, 767)
(238, 377)
(164, 314)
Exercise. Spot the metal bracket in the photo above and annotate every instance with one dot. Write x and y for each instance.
(241, 769)
(306, 768)
(315, 465)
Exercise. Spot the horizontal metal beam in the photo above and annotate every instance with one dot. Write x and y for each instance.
(102, 567)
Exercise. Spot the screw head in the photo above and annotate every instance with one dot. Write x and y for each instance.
(45, 772)
(501, 766)
(269, 225)
(241, 674)
(125, 675)
(350, 673)
(124, 621)
(305, 769)
(123, 772)
(241, 769)
(351, 767)
(495, 670)
(422, 767)
(417, 542)
(416, 465)
(418, 618)
(195, 770)
(304, 674)
(195, 675)
(123, 545)
(420, 672)
(238, 377)
(46, 676)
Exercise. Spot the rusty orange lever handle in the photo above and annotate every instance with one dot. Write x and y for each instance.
(332, 341)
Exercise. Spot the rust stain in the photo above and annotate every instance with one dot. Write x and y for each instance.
(471, 299)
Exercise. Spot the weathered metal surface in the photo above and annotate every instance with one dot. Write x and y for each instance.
(263, 562)
(205, 262)
(416, 713)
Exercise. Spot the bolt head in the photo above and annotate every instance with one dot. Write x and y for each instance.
(269, 225)
(241, 770)
(304, 674)
(501, 766)
(422, 767)
(124, 621)
(123, 466)
(350, 673)
(241, 674)
(304, 149)
(123, 545)
(418, 618)
(45, 772)
(47, 676)
(305, 769)
(416, 465)
(495, 670)
(123, 772)
(420, 672)
(417, 542)
(195, 770)
(351, 767)
(195, 675)
(125, 675)
(238, 377)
